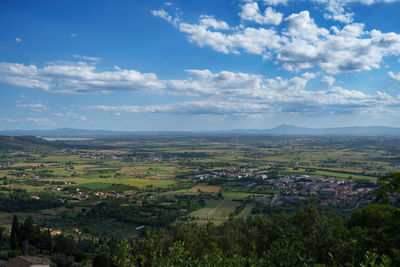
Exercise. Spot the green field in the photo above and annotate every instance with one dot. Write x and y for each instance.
(162, 171)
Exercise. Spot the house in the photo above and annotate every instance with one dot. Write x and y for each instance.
(55, 232)
(26, 261)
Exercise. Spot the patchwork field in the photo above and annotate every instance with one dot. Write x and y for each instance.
(215, 210)
(204, 188)
(155, 181)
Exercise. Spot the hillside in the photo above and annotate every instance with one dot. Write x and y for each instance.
(25, 143)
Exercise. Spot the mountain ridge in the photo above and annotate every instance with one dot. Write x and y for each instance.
(279, 130)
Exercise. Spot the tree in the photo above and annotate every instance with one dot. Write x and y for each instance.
(101, 260)
(389, 183)
(15, 232)
(2, 229)
(124, 257)
(26, 231)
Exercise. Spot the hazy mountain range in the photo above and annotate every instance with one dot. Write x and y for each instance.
(280, 130)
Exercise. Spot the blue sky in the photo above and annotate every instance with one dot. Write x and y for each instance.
(199, 65)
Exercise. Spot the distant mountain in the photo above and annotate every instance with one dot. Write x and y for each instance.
(346, 131)
(62, 132)
(280, 130)
(352, 131)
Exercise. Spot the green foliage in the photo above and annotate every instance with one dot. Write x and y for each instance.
(389, 184)
(15, 232)
(123, 257)
(2, 230)
(62, 260)
(18, 200)
(311, 236)
(102, 260)
(371, 259)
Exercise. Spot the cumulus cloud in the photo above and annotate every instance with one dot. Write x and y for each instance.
(302, 44)
(335, 51)
(21, 75)
(161, 14)
(241, 93)
(335, 101)
(251, 12)
(215, 92)
(394, 76)
(328, 79)
(336, 8)
(210, 32)
(211, 22)
(309, 75)
(70, 77)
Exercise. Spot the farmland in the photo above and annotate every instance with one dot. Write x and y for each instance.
(156, 181)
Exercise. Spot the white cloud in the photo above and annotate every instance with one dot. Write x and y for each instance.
(302, 44)
(33, 107)
(70, 77)
(202, 107)
(161, 14)
(250, 40)
(225, 91)
(309, 75)
(75, 116)
(302, 26)
(241, 93)
(288, 100)
(73, 35)
(394, 76)
(335, 51)
(328, 79)
(211, 22)
(20, 75)
(38, 120)
(336, 8)
(251, 12)
(18, 40)
(70, 115)
(45, 121)
(87, 58)
(276, 2)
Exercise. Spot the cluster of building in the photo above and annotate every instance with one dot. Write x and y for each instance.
(99, 155)
(347, 193)
(332, 192)
(233, 172)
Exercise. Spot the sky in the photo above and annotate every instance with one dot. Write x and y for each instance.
(199, 65)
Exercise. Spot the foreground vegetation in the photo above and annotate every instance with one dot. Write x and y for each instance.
(310, 236)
